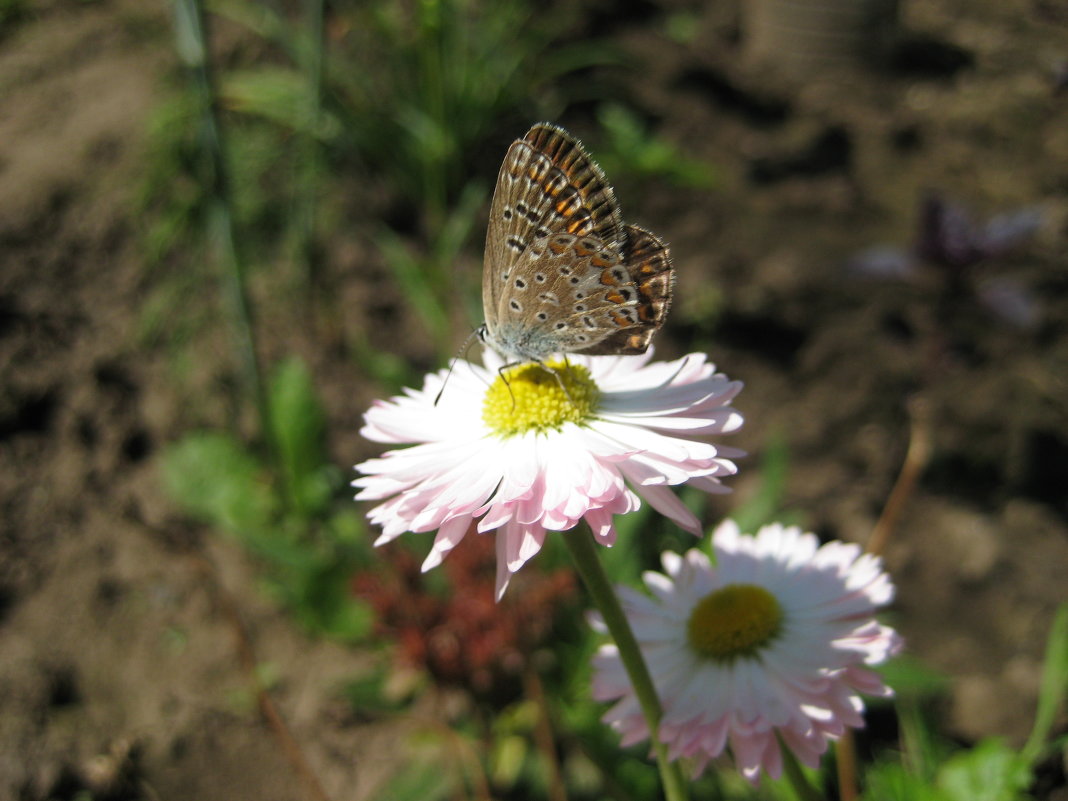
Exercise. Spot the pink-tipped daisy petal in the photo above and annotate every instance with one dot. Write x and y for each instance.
(774, 640)
(523, 456)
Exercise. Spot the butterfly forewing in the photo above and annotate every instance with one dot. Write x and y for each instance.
(562, 273)
(547, 184)
(597, 212)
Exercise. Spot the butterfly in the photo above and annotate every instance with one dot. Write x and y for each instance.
(562, 272)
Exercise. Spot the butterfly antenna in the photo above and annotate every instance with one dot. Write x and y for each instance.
(452, 364)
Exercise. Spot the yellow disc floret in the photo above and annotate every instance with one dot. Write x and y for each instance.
(734, 621)
(536, 397)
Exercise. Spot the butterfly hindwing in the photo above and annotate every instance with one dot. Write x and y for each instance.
(648, 265)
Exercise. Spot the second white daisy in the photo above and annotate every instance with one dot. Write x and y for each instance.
(775, 639)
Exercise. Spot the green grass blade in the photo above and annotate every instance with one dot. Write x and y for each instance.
(1054, 685)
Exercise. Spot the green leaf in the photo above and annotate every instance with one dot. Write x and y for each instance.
(765, 506)
(1054, 685)
(347, 528)
(411, 273)
(457, 228)
(256, 17)
(634, 151)
(325, 605)
(214, 479)
(991, 771)
(369, 695)
(913, 679)
(285, 553)
(278, 94)
(509, 755)
(422, 780)
(298, 428)
(892, 781)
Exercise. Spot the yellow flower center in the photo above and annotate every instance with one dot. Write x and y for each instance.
(735, 621)
(539, 398)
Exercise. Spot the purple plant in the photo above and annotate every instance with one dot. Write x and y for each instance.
(951, 242)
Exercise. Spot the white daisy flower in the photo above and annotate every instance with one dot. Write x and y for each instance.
(532, 450)
(771, 640)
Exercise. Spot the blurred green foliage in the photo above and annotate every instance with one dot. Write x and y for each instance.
(932, 769)
(389, 108)
(632, 151)
(286, 516)
(766, 505)
(409, 94)
(12, 12)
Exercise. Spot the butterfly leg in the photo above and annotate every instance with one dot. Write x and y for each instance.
(559, 381)
(501, 372)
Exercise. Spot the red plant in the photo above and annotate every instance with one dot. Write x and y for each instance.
(462, 637)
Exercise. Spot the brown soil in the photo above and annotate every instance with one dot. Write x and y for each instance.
(124, 630)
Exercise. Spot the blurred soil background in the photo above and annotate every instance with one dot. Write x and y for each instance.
(132, 641)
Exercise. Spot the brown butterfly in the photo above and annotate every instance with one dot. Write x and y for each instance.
(562, 272)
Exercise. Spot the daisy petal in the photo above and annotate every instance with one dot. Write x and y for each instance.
(643, 432)
(745, 687)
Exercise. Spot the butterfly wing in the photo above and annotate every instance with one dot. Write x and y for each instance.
(577, 294)
(587, 206)
(647, 290)
(547, 184)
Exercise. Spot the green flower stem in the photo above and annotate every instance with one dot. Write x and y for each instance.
(192, 43)
(310, 164)
(584, 554)
(804, 789)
